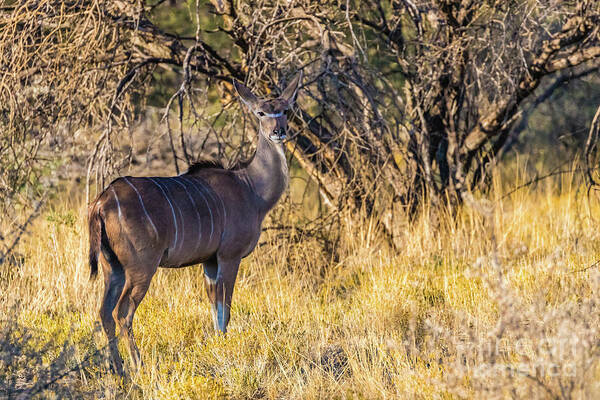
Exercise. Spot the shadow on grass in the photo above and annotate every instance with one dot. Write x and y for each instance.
(31, 367)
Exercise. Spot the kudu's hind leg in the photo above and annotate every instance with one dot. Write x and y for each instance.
(114, 280)
(134, 291)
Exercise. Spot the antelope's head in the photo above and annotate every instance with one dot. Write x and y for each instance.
(271, 112)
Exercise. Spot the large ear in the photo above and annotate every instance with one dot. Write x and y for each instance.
(246, 95)
(290, 91)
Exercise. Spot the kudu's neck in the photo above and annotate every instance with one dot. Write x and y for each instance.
(268, 172)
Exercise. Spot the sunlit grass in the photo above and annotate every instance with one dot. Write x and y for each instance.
(302, 329)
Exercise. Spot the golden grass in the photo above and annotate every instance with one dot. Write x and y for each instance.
(374, 325)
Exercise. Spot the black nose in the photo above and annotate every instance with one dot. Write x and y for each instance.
(279, 132)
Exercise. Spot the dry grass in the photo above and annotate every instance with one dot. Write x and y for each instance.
(447, 317)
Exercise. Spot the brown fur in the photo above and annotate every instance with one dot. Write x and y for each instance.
(209, 215)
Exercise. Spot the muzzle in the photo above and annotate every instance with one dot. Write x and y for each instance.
(278, 135)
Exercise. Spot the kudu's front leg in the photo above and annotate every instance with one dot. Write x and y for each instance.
(211, 268)
(219, 287)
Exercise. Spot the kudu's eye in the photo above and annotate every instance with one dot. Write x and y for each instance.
(261, 114)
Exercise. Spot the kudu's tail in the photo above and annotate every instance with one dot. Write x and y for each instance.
(99, 242)
(96, 226)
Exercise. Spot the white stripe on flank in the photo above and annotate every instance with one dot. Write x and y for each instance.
(182, 241)
(214, 195)
(172, 209)
(224, 211)
(195, 208)
(143, 207)
(193, 181)
(118, 203)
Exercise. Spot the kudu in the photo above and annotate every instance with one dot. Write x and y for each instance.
(209, 215)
